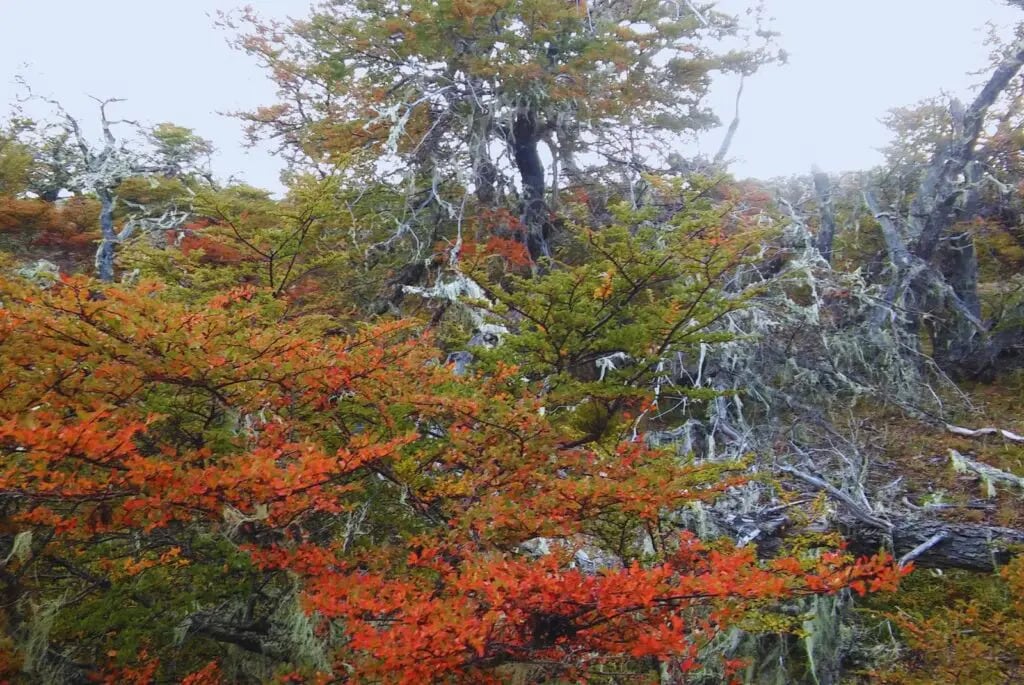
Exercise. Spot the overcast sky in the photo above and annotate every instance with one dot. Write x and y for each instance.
(850, 61)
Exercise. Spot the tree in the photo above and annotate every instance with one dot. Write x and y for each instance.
(15, 159)
(484, 398)
(445, 98)
(179, 150)
(239, 235)
(948, 193)
(68, 161)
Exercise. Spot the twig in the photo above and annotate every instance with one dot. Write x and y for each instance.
(697, 13)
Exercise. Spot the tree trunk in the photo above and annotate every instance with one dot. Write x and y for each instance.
(927, 542)
(946, 194)
(485, 175)
(934, 206)
(525, 137)
(956, 342)
(827, 232)
(108, 241)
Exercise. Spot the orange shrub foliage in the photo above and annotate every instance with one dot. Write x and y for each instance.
(66, 233)
(125, 416)
(213, 251)
(978, 620)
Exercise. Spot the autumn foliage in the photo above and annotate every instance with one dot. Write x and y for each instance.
(147, 440)
(33, 229)
(369, 431)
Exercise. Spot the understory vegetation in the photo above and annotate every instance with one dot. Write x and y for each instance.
(505, 388)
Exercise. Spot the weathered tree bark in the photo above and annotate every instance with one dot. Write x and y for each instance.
(253, 638)
(957, 344)
(934, 207)
(485, 175)
(964, 546)
(525, 137)
(734, 126)
(900, 262)
(109, 238)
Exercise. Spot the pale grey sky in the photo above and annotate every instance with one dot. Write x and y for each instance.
(849, 62)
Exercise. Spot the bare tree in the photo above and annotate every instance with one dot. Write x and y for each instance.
(934, 269)
(101, 169)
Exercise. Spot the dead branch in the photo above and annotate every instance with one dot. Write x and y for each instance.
(723, 150)
(967, 432)
(855, 508)
(989, 475)
(930, 212)
(827, 231)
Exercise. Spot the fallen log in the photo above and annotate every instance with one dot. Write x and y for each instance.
(931, 543)
(928, 542)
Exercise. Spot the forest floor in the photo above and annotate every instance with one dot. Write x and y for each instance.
(921, 454)
(949, 626)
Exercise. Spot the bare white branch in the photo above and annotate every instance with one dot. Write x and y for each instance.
(967, 432)
(922, 548)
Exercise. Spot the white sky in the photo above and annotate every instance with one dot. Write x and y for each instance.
(850, 60)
